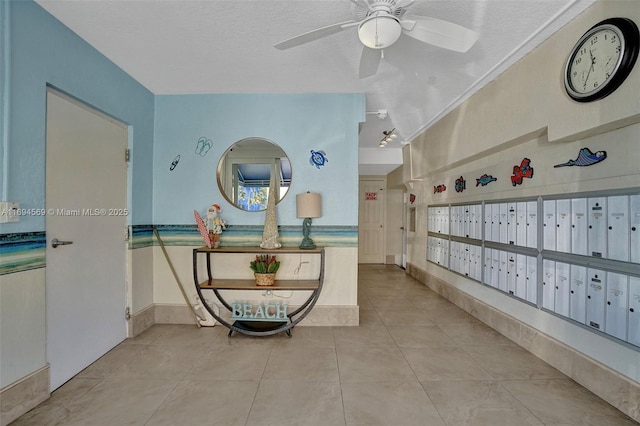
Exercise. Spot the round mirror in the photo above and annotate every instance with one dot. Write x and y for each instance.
(245, 170)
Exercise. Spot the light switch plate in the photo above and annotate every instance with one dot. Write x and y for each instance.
(9, 212)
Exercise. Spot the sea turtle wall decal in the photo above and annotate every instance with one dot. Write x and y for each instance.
(318, 158)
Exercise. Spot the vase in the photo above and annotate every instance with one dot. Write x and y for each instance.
(265, 279)
(270, 236)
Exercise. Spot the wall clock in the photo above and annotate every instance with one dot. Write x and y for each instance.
(602, 59)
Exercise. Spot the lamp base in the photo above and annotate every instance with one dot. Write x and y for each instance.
(307, 243)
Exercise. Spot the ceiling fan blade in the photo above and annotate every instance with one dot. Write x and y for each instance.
(361, 3)
(404, 3)
(315, 35)
(439, 33)
(369, 62)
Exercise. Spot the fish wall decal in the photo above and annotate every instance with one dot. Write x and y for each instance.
(485, 180)
(438, 189)
(524, 170)
(585, 158)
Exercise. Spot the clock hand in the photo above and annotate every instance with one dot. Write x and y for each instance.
(593, 61)
(587, 77)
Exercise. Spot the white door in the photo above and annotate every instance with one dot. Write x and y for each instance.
(395, 225)
(371, 222)
(405, 228)
(86, 180)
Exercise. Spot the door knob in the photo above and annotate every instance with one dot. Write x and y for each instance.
(56, 242)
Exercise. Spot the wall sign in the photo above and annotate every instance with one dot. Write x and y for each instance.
(370, 196)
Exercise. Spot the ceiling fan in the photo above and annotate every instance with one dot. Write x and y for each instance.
(380, 23)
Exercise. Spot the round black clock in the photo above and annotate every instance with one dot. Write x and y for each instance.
(602, 59)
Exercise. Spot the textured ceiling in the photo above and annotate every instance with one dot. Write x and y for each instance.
(216, 46)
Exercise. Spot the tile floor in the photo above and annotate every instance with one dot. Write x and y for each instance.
(416, 359)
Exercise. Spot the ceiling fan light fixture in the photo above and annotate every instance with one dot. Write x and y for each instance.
(379, 30)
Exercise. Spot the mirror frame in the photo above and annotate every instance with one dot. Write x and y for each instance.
(228, 167)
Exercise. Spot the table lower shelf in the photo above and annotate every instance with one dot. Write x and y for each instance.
(260, 326)
(238, 284)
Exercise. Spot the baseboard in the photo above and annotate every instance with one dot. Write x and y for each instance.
(319, 316)
(141, 321)
(332, 316)
(618, 390)
(24, 395)
(173, 314)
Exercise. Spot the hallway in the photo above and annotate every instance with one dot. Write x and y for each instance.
(416, 359)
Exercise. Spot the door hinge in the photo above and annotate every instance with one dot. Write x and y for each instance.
(127, 314)
(126, 234)
(127, 155)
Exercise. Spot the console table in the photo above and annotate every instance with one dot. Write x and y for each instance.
(249, 327)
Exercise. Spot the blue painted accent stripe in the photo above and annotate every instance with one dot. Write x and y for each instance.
(22, 252)
(242, 235)
(25, 251)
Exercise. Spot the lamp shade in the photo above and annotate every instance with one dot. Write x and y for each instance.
(308, 205)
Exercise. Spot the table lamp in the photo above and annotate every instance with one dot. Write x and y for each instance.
(308, 206)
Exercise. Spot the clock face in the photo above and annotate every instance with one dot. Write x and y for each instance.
(601, 60)
(595, 60)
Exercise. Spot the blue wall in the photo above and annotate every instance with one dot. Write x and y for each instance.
(297, 123)
(45, 52)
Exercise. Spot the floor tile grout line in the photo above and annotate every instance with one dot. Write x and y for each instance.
(335, 349)
(253, 401)
(435, 407)
(163, 401)
(417, 378)
(518, 399)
